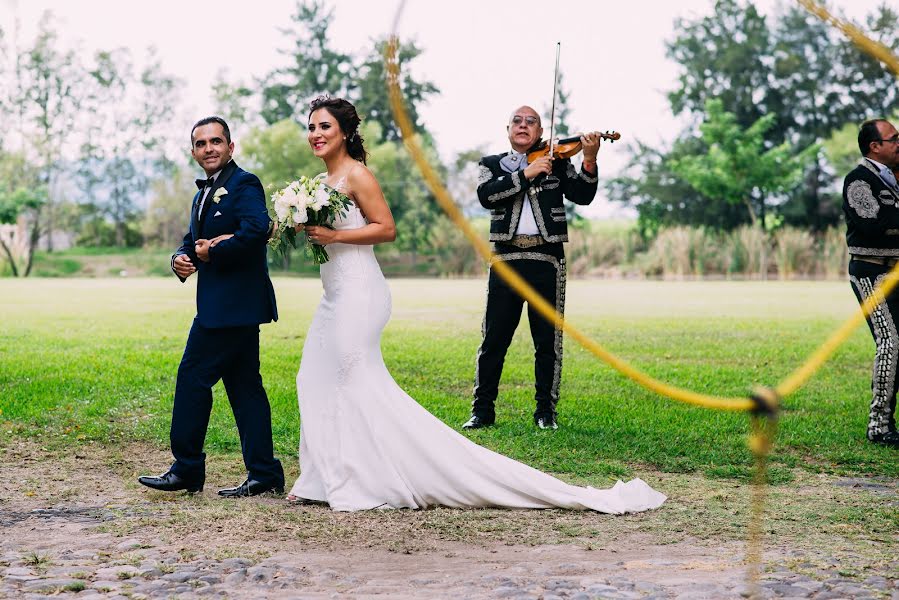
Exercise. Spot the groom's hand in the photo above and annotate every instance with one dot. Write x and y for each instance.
(201, 247)
(183, 267)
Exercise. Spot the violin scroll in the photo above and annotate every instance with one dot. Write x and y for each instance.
(610, 135)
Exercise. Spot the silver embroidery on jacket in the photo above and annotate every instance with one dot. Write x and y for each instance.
(873, 251)
(484, 174)
(516, 188)
(862, 200)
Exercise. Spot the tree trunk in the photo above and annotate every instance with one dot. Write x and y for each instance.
(49, 226)
(752, 216)
(32, 242)
(9, 257)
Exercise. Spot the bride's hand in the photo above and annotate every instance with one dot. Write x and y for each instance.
(320, 235)
(221, 238)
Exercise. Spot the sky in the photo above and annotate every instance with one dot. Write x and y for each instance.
(486, 56)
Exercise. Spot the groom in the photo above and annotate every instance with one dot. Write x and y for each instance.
(226, 246)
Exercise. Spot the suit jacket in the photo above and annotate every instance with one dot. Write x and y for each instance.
(872, 213)
(504, 194)
(233, 288)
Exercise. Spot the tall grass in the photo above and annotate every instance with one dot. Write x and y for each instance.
(594, 249)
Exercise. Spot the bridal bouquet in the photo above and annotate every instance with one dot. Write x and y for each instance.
(305, 201)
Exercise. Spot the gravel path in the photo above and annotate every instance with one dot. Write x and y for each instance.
(59, 552)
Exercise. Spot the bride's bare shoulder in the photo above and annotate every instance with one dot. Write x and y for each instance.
(361, 174)
(361, 181)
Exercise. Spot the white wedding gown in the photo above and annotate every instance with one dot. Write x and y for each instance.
(364, 443)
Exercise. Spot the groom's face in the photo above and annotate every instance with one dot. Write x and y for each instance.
(210, 148)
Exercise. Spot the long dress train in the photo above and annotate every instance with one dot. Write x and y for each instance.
(364, 443)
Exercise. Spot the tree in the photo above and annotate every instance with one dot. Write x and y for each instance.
(822, 82)
(125, 144)
(314, 68)
(16, 203)
(370, 91)
(414, 209)
(738, 169)
(236, 103)
(165, 220)
(45, 89)
(664, 199)
(724, 56)
(462, 180)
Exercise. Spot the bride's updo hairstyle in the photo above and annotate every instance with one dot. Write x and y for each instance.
(348, 119)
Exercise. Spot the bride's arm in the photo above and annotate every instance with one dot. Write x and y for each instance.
(367, 193)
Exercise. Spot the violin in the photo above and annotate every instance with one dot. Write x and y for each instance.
(567, 147)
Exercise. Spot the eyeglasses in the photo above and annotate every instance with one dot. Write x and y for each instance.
(892, 140)
(531, 121)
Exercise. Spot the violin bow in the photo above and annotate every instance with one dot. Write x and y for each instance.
(552, 115)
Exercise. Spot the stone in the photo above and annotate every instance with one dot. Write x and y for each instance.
(236, 563)
(236, 578)
(130, 544)
(179, 576)
(117, 572)
(259, 574)
(51, 585)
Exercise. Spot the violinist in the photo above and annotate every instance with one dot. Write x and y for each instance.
(524, 191)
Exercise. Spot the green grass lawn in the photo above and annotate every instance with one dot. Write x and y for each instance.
(95, 359)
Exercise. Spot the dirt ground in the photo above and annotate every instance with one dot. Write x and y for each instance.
(81, 515)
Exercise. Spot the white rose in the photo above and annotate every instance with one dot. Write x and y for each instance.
(289, 196)
(321, 199)
(299, 215)
(282, 208)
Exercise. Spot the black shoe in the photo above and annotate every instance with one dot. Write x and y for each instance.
(548, 422)
(890, 438)
(251, 488)
(476, 422)
(169, 482)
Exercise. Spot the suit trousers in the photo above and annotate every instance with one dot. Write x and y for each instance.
(230, 354)
(543, 267)
(865, 277)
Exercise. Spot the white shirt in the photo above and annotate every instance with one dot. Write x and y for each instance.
(885, 173)
(206, 191)
(526, 223)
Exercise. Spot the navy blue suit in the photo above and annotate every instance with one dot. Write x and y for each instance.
(234, 296)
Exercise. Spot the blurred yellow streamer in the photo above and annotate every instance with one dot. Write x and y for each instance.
(764, 402)
(511, 277)
(874, 49)
(759, 401)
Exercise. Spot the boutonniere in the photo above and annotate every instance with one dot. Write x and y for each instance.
(217, 197)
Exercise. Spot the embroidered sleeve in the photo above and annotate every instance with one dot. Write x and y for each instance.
(492, 189)
(484, 174)
(862, 200)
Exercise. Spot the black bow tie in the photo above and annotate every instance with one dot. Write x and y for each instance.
(201, 183)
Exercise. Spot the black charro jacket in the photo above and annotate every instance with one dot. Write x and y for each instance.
(872, 213)
(504, 193)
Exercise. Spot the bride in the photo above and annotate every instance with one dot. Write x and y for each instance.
(364, 443)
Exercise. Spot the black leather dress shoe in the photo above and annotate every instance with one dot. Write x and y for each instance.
(476, 422)
(169, 482)
(890, 438)
(251, 488)
(546, 422)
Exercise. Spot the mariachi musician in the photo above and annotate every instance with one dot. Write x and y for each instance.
(524, 190)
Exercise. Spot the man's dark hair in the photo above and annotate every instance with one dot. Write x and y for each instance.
(867, 134)
(207, 121)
